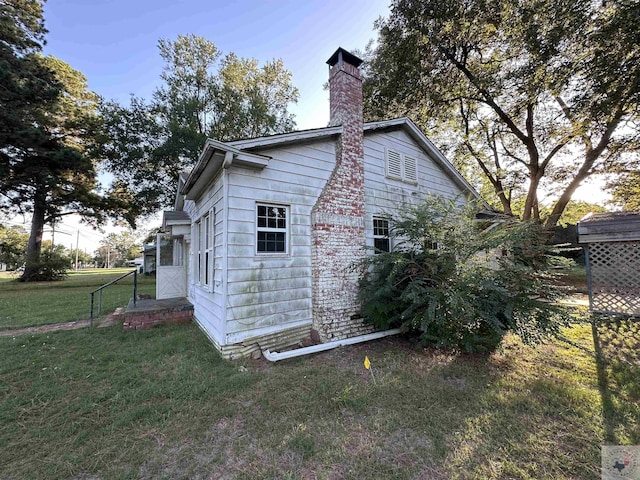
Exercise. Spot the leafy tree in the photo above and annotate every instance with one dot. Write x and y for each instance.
(102, 256)
(117, 248)
(448, 281)
(577, 209)
(538, 94)
(204, 95)
(46, 115)
(626, 191)
(13, 246)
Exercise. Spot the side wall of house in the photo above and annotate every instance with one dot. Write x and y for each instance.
(208, 300)
(385, 196)
(270, 293)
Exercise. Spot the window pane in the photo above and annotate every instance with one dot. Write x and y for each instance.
(271, 242)
(380, 227)
(208, 229)
(274, 221)
(206, 268)
(381, 244)
(166, 251)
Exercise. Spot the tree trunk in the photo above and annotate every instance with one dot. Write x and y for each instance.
(565, 198)
(35, 240)
(531, 203)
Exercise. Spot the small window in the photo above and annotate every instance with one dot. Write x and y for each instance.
(381, 235)
(272, 229)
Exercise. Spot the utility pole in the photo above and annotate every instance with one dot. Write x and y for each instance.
(77, 246)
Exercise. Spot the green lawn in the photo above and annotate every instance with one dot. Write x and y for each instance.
(42, 303)
(160, 403)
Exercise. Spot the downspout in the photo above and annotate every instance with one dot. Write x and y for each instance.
(275, 356)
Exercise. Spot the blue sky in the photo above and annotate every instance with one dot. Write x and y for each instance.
(114, 42)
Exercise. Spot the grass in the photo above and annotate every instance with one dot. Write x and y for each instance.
(161, 403)
(574, 278)
(41, 303)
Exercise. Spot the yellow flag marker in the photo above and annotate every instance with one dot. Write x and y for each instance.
(367, 365)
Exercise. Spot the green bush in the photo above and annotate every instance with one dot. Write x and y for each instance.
(52, 266)
(462, 282)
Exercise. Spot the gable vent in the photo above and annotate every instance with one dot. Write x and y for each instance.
(394, 164)
(410, 170)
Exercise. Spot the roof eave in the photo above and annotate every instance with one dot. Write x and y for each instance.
(214, 156)
(286, 138)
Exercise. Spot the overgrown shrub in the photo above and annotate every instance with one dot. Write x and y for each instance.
(461, 282)
(52, 266)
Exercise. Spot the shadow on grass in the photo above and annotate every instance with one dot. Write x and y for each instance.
(617, 347)
(529, 413)
(160, 403)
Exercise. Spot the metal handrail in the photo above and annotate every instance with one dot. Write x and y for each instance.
(99, 290)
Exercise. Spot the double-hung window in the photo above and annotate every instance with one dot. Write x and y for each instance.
(198, 251)
(206, 247)
(381, 240)
(272, 232)
(204, 250)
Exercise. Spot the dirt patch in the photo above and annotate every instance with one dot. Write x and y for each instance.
(45, 328)
(110, 320)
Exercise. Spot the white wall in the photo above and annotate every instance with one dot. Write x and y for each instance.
(384, 195)
(267, 292)
(208, 306)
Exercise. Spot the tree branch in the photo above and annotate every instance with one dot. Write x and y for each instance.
(488, 98)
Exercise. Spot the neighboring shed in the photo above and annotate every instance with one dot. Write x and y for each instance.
(612, 254)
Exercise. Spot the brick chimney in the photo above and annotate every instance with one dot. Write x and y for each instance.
(345, 89)
(338, 233)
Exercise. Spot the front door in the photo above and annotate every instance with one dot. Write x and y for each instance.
(171, 275)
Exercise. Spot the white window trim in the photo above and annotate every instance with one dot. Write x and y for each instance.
(197, 254)
(408, 166)
(373, 231)
(202, 261)
(208, 250)
(286, 230)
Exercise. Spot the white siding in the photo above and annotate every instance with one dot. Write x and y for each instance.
(384, 195)
(256, 295)
(209, 306)
(267, 292)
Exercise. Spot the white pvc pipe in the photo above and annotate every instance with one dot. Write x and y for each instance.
(275, 356)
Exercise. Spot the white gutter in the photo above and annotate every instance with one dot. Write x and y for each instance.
(275, 356)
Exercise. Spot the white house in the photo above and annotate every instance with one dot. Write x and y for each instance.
(264, 230)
